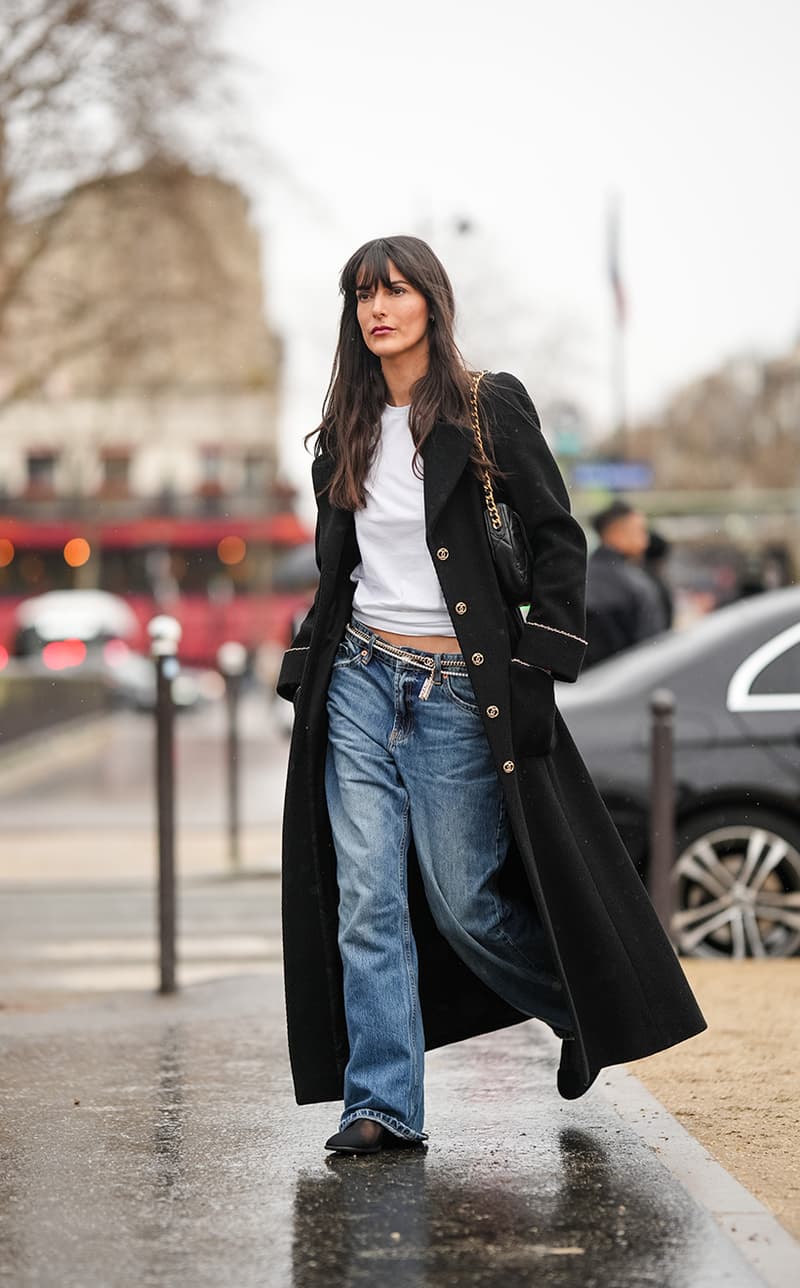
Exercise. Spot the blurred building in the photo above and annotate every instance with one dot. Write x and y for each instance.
(138, 400)
(138, 361)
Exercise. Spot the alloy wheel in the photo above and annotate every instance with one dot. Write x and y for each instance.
(738, 894)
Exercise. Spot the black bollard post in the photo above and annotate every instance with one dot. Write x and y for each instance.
(232, 661)
(165, 632)
(662, 807)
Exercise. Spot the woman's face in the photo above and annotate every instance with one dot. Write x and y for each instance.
(394, 318)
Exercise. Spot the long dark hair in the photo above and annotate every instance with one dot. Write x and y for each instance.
(356, 395)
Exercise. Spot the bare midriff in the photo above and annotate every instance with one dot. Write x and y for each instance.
(424, 643)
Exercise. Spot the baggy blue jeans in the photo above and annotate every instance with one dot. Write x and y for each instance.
(410, 758)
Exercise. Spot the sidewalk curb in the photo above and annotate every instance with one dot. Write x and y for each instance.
(757, 1235)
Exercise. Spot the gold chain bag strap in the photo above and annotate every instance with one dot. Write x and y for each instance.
(506, 535)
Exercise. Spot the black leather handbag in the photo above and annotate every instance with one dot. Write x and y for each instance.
(507, 540)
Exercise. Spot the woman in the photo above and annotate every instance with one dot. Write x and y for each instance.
(449, 868)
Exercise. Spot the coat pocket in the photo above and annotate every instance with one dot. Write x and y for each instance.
(533, 709)
(291, 674)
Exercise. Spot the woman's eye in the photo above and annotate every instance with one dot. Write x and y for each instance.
(398, 290)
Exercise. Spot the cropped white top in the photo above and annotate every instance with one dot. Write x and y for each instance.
(396, 585)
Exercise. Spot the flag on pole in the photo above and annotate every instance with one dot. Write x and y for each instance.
(614, 271)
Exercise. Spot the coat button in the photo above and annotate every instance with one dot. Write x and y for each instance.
(443, 553)
(477, 659)
(508, 766)
(461, 607)
(492, 711)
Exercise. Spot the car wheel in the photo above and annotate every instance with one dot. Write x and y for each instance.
(737, 885)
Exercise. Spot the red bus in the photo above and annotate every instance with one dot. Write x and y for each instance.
(214, 574)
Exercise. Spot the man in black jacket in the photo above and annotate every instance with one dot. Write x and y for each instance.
(622, 604)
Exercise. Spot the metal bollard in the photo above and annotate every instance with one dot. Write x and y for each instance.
(165, 632)
(662, 807)
(232, 662)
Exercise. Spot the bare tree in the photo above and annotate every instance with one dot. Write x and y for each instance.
(93, 92)
(736, 426)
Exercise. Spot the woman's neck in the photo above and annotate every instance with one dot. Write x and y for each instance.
(401, 374)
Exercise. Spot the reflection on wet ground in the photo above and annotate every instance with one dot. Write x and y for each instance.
(155, 1141)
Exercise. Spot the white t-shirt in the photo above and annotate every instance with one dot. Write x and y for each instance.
(396, 585)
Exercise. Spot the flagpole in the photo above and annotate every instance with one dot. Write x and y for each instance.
(620, 387)
(619, 319)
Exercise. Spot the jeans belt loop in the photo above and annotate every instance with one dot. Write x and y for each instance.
(365, 638)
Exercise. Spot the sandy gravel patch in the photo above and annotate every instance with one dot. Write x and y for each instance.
(736, 1087)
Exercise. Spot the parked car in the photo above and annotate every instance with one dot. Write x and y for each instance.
(95, 631)
(736, 680)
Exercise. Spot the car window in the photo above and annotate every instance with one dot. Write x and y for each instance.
(769, 679)
(780, 676)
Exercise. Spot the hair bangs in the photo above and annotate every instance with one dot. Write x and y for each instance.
(367, 268)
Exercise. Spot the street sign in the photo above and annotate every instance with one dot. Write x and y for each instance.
(614, 476)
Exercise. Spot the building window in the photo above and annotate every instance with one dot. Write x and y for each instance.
(211, 461)
(255, 473)
(211, 489)
(116, 473)
(211, 470)
(42, 473)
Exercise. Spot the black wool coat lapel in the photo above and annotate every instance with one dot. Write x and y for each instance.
(445, 456)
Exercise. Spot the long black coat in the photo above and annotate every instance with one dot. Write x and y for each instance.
(626, 991)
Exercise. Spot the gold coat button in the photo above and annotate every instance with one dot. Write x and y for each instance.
(461, 607)
(508, 766)
(477, 659)
(443, 553)
(492, 711)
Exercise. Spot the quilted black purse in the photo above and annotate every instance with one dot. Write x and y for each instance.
(507, 540)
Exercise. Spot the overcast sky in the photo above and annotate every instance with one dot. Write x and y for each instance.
(524, 117)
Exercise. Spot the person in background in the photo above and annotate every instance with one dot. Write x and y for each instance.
(623, 606)
(763, 570)
(654, 563)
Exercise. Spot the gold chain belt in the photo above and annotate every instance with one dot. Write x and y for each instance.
(422, 661)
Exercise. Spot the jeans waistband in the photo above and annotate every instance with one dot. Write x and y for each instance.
(424, 661)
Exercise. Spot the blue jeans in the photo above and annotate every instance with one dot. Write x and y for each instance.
(407, 757)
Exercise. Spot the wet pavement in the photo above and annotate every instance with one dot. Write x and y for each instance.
(109, 784)
(102, 937)
(155, 1141)
(150, 1140)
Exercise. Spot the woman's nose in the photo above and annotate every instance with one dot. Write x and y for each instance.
(378, 305)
